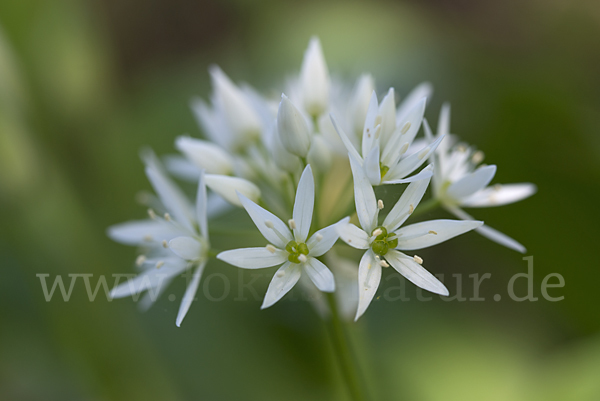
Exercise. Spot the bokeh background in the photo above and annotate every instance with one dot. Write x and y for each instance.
(84, 85)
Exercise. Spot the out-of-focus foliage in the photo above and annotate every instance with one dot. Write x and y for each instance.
(85, 84)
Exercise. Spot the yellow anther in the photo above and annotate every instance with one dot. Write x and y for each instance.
(160, 264)
(140, 260)
(380, 204)
(418, 259)
(271, 248)
(432, 232)
(292, 224)
(405, 128)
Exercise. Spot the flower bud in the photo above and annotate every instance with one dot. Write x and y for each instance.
(292, 128)
(205, 155)
(359, 103)
(239, 113)
(314, 79)
(228, 187)
(319, 154)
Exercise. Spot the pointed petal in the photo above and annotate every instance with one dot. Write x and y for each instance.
(415, 273)
(187, 248)
(304, 204)
(142, 232)
(320, 275)
(372, 167)
(423, 90)
(409, 200)
(353, 236)
(292, 128)
(171, 196)
(205, 155)
(150, 278)
(387, 111)
(190, 293)
(364, 197)
(314, 79)
(322, 241)
(369, 276)
(347, 142)
(499, 195)
(201, 206)
(491, 233)
(253, 258)
(368, 136)
(284, 280)
(261, 218)
(359, 102)
(471, 183)
(412, 162)
(228, 187)
(432, 232)
(421, 175)
(412, 121)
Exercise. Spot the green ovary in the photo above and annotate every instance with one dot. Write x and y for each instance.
(295, 250)
(384, 242)
(383, 169)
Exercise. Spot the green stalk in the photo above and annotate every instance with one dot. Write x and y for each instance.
(346, 359)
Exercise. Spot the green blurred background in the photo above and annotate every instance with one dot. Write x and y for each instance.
(85, 84)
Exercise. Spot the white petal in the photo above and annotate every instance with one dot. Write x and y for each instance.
(240, 116)
(205, 155)
(444, 120)
(314, 79)
(432, 232)
(212, 123)
(353, 236)
(421, 175)
(423, 90)
(391, 150)
(372, 167)
(368, 137)
(409, 200)
(190, 293)
(471, 183)
(171, 196)
(347, 142)
(283, 281)
(253, 258)
(322, 241)
(228, 187)
(143, 231)
(292, 128)
(415, 273)
(412, 162)
(364, 197)
(304, 204)
(150, 278)
(387, 111)
(359, 102)
(491, 233)
(182, 168)
(262, 217)
(319, 274)
(202, 206)
(187, 248)
(498, 195)
(369, 276)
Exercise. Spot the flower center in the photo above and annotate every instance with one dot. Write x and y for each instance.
(383, 169)
(297, 251)
(383, 241)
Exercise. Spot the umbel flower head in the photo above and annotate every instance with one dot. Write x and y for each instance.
(289, 245)
(175, 241)
(384, 242)
(460, 180)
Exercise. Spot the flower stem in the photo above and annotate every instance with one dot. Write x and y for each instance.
(346, 359)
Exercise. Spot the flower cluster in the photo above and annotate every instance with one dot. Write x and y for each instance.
(306, 169)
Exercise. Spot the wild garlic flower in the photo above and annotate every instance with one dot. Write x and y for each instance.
(386, 138)
(289, 245)
(460, 180)
(384, 242)
(174, 241)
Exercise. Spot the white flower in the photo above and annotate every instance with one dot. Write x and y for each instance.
(205, 155)
(228, 187)
(386, 140)
(175, 242)
(292, 128)
(288, 246)
(314, 80)
(460, 181)
(384, 242)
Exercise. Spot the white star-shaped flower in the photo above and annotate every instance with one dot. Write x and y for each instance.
(175, 242)
(386, 138)
(289, 245)
(384, 242)
(460, 181)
